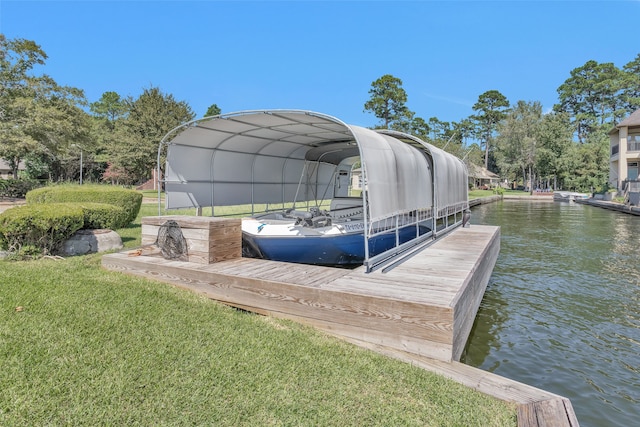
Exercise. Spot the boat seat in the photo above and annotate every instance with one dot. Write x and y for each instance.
(347, 207)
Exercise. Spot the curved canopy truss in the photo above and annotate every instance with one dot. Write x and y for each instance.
(278, 157)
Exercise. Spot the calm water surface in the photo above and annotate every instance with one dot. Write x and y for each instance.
(562, 308)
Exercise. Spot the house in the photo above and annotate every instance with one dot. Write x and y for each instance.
(5, 169)
(625, 152)
(480, 177)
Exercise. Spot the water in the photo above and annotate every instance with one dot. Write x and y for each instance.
(562, 308)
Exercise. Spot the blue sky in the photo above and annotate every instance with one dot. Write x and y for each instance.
(324, 55)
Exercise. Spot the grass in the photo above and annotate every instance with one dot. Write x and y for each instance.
(476, 194)
(80, 345)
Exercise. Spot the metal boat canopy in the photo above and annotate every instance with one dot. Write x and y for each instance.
(282, 156)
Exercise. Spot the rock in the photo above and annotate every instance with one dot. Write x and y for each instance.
(91, 241)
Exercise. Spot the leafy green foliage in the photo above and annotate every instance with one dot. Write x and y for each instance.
(39, 228)
(102, 215)
(38, 115)
(213, 110)
(128, 200)
(17, 188)
(387, 102)
(517, 142)
(492, 108)
(631, 86)
(109, 107)
(150, 118)
(593, 96)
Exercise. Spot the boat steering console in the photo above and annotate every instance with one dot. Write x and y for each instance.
(314, 218)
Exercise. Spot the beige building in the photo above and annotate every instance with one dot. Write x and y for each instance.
(625, 151)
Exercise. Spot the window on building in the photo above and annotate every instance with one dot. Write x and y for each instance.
(632, 171)
(633, 141)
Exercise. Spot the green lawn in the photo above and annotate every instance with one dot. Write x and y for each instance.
(80, 345)
(476, 194)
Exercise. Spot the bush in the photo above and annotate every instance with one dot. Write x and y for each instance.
(102, 215)
(128, 200)
(17, 188)
(39, 228)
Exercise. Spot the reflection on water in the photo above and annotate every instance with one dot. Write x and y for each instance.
(562, 308)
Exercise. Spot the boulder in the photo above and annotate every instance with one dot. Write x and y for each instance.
(91, 241)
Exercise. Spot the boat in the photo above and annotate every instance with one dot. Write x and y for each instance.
(319, 191)
(568, 196)
(323, 237)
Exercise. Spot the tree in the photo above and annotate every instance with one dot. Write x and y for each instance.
(420, 128)
(109, 107)
(109, 113)
(593, 96)
(517, 140)
(150, 118)
(591, 163)
(491, 106)
(38, 117)
(556, 153)
(466, 129)
(17, 58)
(439, 131)
(213, 110)
(387, 103)
(631, 91)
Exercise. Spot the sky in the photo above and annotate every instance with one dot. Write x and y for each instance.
(323, 56)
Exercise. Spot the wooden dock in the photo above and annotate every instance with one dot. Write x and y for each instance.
(426, 305)
(420, 311)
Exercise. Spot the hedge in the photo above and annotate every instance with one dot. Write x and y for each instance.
(102, 215)
(17, 188)
(129, 200)
(40, 228)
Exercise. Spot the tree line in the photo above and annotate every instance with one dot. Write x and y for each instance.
(566, 148)
(49, 127)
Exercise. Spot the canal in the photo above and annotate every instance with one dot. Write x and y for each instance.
(562, 309)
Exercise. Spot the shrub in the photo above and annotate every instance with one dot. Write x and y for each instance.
(17, 188)
(128, 200)
(39, 227)
(103, 215)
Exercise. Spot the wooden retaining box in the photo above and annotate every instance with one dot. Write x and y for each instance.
(209, 239)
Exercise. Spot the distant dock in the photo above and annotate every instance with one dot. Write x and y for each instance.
(618, 207)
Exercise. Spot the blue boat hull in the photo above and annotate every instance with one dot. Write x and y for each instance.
(344, 249)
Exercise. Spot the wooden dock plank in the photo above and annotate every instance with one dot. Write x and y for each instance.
(400, 292)
(556, 412)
